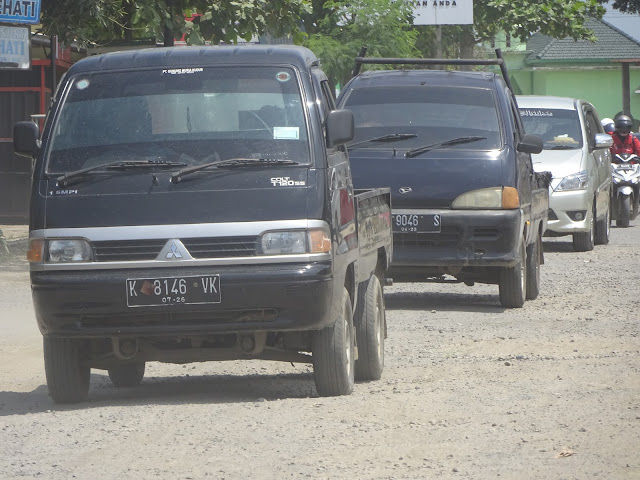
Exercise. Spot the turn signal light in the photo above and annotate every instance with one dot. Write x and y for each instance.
(510, 198)
(35, 253)
(319, 240)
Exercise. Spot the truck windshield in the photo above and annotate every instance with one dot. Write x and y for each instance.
(165, 115)
(425, 115)
(559, 129)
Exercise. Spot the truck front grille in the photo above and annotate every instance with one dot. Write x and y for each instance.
(426, 239)
(139, 250)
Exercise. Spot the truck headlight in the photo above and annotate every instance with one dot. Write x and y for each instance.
(575, 181)
(292, 242)
(488, 198)
(66, 251)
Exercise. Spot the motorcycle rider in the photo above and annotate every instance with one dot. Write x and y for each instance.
(609, 125)
(623, 141)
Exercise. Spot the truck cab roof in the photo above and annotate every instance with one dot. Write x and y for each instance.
(177, 57)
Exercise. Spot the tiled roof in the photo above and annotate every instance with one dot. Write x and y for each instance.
(612, 44)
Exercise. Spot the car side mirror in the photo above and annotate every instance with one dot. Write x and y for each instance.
(25, 138)
(530, 144)
(603, 140)
(340, 127)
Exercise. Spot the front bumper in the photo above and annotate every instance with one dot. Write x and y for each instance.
(568, 207)
(275, 297)
(468, 238)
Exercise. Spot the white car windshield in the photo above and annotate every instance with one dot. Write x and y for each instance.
(559, 129)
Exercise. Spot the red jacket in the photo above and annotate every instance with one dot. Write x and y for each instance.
(628, 145)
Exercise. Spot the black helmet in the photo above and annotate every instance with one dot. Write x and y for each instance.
(624, 123)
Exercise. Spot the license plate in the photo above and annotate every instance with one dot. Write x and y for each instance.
(152, 292)
(416, 223)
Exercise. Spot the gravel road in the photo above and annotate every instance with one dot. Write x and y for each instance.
(469, 391)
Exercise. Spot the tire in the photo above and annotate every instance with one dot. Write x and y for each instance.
(369, 323)
(533, 269)
(127, 374)
(624, 212)
(333, 353)
(513, 283)
(67, 377)
(603, 229)
(584, 241)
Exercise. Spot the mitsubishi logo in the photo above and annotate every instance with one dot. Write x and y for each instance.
(405, 190)
(174, 253)
(174, 250)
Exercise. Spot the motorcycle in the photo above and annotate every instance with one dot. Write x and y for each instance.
(626, 188)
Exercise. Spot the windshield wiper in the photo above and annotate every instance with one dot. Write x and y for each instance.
(562, 147)
(64, 180)
(392, 137)
(447, 143)
(230, 162)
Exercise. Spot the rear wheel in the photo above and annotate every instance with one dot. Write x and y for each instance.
(369, 322)
(624, 211)
(333, 353)
(67, 377)
(584, 241)
(533, 268)
(127, 374)
(603, 229)
(513, 282)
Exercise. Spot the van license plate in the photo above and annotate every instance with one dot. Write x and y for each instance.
(152, 292)
(415, 223)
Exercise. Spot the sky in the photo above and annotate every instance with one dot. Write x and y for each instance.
(629, 24)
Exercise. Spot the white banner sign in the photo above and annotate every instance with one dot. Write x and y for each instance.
(15, 47)
(443, 12)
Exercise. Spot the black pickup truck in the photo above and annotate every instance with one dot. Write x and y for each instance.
(467, 204)
(193, 204)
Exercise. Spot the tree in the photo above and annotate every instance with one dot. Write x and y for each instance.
(555, 18)
(338, 30)
(100, 21)
(625, 6)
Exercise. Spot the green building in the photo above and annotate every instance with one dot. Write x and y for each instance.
(605, 73)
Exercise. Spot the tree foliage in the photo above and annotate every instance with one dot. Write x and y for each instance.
(625, 6)
(343, 28)
(100, 21)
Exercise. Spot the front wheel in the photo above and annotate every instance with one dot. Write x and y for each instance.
(603, 229)
(513, 282)
(624, 211)
(369, 323)
(333, 353)
(584, 241)
(534, 252)
(127, 374)
(67, 377)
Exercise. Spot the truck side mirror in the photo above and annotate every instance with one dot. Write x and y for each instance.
(603, 140)
(25, 138)
(530, 144)
(340, 127)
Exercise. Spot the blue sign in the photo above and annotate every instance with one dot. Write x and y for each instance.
(20, 11)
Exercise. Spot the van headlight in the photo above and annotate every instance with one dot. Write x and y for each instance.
(575, 181)
(292, 242)
(488, 198)
(59, 251)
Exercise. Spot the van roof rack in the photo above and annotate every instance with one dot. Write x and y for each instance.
(499, 60)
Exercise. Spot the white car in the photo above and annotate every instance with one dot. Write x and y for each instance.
(576, 152)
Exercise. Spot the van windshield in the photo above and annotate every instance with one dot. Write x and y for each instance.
(559, 129)
(425, 115)
(189, 115)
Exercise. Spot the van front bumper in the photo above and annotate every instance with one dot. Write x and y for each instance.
(468, 238)
(91, 304)
(570, 212)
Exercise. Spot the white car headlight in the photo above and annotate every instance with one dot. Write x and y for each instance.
(292, 242)
(576, 181)
(65, 251)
